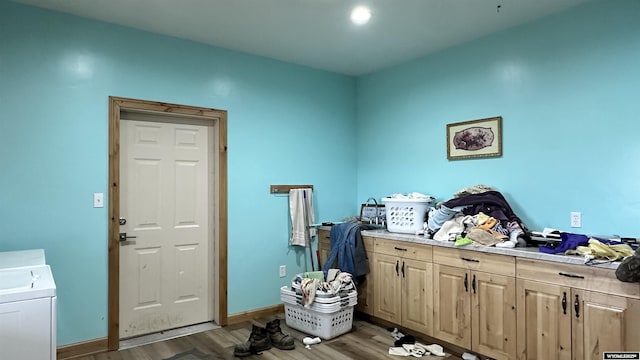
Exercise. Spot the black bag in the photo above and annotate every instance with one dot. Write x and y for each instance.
(629, 269)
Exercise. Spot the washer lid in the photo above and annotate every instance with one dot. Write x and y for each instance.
(15, 280)
(26, 283)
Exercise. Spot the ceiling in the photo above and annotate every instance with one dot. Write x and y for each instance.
(318, 33)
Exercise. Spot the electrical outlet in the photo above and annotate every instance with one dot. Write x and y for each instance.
(576, 219)
(283, 270)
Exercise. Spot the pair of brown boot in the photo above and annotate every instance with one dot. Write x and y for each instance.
(262, 338)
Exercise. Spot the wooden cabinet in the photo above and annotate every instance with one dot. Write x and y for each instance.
(324, 246)
(365, 288)
(563, 313)
(500, 306)
(402, 284)
(474, 301)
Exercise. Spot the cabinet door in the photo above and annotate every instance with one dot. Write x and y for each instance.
(493, 324)
(365, 289)
(387, 288)
(544, 321)
(417, 304)
(603, 322)
(452, 305)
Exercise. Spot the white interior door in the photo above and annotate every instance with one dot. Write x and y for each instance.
(164, 270)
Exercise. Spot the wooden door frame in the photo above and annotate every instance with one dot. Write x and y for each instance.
(218, 118)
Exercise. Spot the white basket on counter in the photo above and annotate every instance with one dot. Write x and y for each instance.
(406, 215)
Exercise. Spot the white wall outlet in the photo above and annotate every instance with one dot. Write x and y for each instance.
(576, 219)
(283, 270)
(98, 200)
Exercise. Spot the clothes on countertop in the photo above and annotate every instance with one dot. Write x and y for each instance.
(594, 250)
(569, 241)
(475, 189)
(493, 208)
(437, 217)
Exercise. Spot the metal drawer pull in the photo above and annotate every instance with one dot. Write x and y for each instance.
(399, 249)
(472, 260)
(403, 269)
(466, 282)
(576, 307)
(473, 283)
(397, 265)
(564, 303)
(571, 275)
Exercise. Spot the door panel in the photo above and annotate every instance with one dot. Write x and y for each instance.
(164, 197)
(544, 324)
(417, 309)
(387, 288)
(604, 322)
(452, 305)
(494, 315)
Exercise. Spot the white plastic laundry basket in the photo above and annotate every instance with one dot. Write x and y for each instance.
(406, 215)
(325, 318)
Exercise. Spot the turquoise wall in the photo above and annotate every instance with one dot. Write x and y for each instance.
(566, 86)
(568, 89)
(56, 73)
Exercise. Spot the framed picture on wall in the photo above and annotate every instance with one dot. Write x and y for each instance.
(475, 139)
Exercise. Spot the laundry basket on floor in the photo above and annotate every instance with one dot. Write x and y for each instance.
(326, 318)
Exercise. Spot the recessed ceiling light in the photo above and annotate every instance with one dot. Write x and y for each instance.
(360, 15)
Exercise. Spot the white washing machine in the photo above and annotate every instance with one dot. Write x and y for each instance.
(27, 307)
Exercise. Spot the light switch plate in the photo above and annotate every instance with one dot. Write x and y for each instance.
(98, 200)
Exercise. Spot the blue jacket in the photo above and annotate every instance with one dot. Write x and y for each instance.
(348, 249)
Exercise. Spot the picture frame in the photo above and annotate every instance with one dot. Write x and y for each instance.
(369, 211)
(480, 138)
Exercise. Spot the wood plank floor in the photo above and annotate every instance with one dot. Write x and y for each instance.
(365, 341)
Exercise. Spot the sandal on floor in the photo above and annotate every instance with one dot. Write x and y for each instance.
(435, 349)
(415, 350)
(398, 351)
(407, 339)
(419, 350)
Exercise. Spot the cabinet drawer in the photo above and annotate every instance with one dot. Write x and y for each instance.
(403, 249)
(577, 276)
(474, 260)
(324, 241)
(324, 235)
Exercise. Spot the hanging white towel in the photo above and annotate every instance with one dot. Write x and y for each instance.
(301, 210)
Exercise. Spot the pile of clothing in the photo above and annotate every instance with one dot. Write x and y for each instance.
(480, 214)
(311, 283)
(594, 250)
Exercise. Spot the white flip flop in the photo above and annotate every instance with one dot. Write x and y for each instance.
(399, 350)
(419, 350)
(435, 349)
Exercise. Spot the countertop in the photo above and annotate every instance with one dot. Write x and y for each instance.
(522, 252)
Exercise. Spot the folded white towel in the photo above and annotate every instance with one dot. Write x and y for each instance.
(302, 214)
